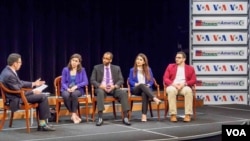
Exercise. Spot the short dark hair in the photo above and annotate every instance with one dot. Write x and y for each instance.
(110, 54)
(13, 57)
(182, 53)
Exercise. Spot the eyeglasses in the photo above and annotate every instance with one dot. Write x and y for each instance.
(19, 62)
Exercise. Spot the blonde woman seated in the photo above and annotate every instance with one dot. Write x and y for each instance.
(74, 79)
(141, 81)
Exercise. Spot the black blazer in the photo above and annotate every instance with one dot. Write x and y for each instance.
(98, 73)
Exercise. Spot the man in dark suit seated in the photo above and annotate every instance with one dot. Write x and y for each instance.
(107, 79)
(11, 80)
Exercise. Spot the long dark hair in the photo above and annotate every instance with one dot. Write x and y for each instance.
(79, 57)
(145, 67)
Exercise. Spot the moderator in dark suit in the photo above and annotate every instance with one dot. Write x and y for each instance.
(12, 81)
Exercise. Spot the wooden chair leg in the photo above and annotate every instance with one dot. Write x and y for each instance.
(87, 110)
(166, 109)
(131, 108)
(27, 120)
(114, 112)
(3, 119)
(58, 106)
(194, 114)
(37, 116)
(158, 112)
(194, 108)
(11, 119)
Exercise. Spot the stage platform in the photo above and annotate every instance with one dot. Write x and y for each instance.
(207, 126)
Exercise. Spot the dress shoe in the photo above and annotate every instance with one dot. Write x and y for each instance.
(126, 121)
(45, 128)
(187, 118)
(173, 118)
(99, 122)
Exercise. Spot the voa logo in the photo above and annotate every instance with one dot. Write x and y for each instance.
(236, 67)
(203, 68)
(220, 98)
(203, 7)
(220, 7)
(205, 98)
(220, 68)
(236, 132)
(202, 38)
(219, 37)
(235, 7)
(236, 98)
(236, 37)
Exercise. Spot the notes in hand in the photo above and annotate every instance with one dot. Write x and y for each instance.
(40, 88)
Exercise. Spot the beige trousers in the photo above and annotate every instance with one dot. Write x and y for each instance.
(188, 96)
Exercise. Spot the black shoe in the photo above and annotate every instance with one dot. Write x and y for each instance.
(126, 121)
(45, 128)
(99, 122)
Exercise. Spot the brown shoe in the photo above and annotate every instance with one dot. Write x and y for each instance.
(187, 118)
(173, 118)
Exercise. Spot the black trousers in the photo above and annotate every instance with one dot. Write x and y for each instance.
(146, 93)
(43, 105)
(71, 100)
(121, 95)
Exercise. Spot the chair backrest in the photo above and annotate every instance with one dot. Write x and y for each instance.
(194, 90)
(92, 91)
(57, 85)
(5, 90)
(128, 85)
(2, 87)
(157, 86)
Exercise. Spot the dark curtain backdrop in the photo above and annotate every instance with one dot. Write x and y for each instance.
(47, 32)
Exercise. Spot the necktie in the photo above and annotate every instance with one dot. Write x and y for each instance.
(107, 76)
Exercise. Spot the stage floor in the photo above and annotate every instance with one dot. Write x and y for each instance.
(208, 123)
